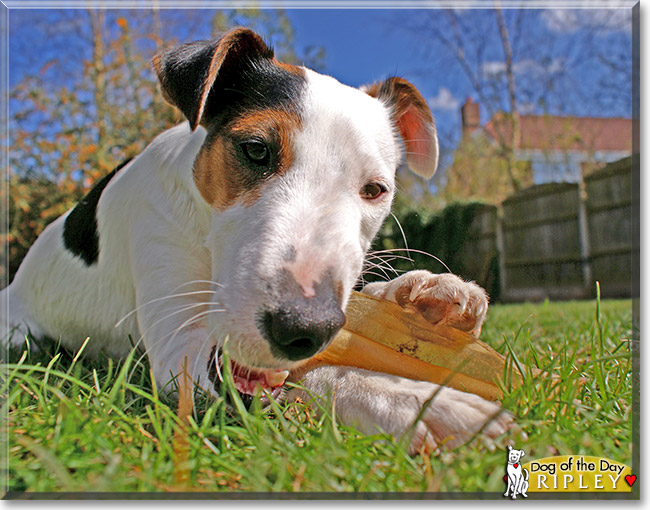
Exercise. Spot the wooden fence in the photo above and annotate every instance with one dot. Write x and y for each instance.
(556, 240)
(610, 224)
(480, 253)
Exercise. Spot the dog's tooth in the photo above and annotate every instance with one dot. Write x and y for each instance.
(274, 378)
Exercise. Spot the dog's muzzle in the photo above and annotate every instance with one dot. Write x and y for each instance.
(299, 327)
(299, 330)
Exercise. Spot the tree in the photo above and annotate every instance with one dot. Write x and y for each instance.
(520, 61)
(96, 102)
(480, 172)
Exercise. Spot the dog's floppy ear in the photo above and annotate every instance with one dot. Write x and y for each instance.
(414, 120)
(188, 72)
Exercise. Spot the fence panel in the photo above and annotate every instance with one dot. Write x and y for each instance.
(541, 244)
(479, 251)
(609, 214)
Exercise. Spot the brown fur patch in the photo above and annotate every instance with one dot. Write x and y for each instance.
(402, 96)
(413, 119)
(222, 178)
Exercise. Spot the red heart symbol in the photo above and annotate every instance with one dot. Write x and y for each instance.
(630, 479)
(516, 465)
(505, 478)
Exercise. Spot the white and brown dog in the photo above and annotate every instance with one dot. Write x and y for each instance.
(251, 222)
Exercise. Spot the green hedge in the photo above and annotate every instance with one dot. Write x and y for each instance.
(443, 235)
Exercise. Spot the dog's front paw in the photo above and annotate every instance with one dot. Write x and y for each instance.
(426, 415)
(440, 298)
(451, 418)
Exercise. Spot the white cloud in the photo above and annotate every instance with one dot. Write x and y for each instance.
(445, 100)
(529, 67)
(493, 68)
(526, 108)
(600, 20)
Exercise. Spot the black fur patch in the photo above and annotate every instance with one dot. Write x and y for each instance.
(255, 84)
(80, 235)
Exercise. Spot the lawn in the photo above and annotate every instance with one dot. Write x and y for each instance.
(81, 426)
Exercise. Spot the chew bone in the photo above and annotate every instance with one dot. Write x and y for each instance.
(380, 335)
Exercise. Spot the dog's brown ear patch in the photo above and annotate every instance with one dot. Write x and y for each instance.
(414, 120)
(188, 72)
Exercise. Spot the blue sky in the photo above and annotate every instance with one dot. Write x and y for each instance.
(363, 46)
(559, 50)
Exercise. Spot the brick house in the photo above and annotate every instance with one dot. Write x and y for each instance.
(557, 148)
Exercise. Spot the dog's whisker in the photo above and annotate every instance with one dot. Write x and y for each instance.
(387, 258)
(142, 336)
(379, 267)
(395, 272)
(399, 225)
(188, 322)
(385, 261)
(192, 320)
(190, 282)
(174, 295)
(394, 256)
(195, 380)
(157, 300)
(378, 275)
(219, 345)
(382, 265)
(411, 250)
(165, 316)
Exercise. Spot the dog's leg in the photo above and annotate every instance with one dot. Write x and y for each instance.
(174, 300)
(15, 322)
(440, 298)
(524, 485)
(374, 402)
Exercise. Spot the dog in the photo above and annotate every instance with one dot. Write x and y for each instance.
(244, 230)
(517, 476)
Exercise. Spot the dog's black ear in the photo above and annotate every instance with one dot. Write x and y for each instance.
(188, 72)
(414, 120)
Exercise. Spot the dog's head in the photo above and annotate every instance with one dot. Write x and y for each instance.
(300, 173)
(514, 455)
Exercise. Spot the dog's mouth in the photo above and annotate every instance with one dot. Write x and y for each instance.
(248, 381)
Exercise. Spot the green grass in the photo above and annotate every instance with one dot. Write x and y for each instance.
(99, 426)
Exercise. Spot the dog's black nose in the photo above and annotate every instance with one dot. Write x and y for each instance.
(299, 328)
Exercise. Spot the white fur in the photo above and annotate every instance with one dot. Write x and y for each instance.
(179, 277)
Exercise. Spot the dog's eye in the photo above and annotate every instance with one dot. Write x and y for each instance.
(373, 190)
(257, 152)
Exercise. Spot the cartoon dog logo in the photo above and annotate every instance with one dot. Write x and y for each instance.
(516, 476)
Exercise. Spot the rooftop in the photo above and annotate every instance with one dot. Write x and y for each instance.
(544, 132)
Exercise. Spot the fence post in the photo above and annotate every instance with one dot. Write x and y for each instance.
(583, 232)
(501, 255)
